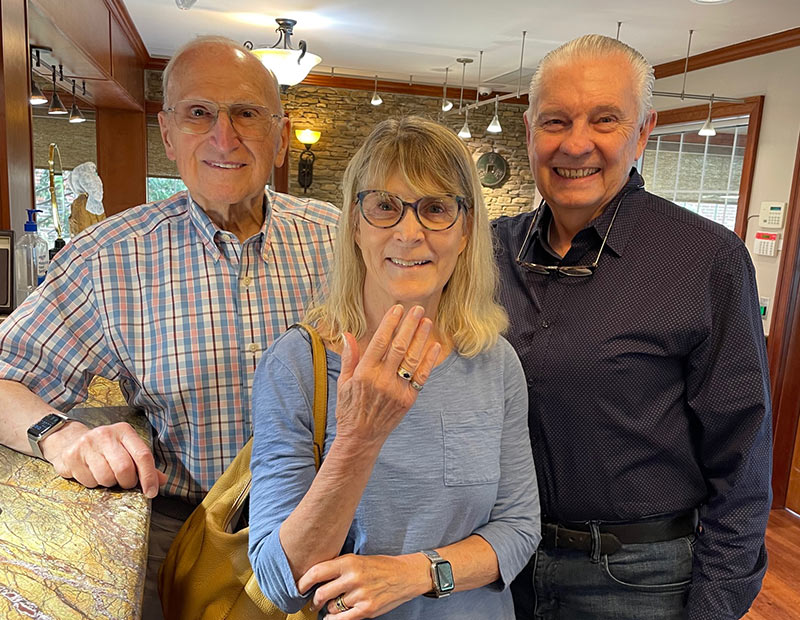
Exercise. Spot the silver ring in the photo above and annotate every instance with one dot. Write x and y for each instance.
(340, 604)
(416, 386)
(404, 374)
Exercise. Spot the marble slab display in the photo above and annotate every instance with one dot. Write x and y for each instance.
(67, 551)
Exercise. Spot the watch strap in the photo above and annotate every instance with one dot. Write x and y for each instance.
(34, 437)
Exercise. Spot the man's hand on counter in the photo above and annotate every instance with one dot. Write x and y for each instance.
(103, 456)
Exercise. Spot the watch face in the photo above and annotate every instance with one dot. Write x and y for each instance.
(45, 424)
(444, 574)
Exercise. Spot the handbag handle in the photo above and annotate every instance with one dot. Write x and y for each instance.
(320, 390)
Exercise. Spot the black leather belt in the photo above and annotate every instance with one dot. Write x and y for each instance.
(174, 507)
(578, 536)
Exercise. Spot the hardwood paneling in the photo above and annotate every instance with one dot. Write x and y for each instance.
(122, 158)
(738, 51)
(16, 142)
(120, 12)
(783, 348)
(126, 68)
(753, 108)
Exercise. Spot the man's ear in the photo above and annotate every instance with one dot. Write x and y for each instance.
(283, 146)
(163, 125)
(644, 133)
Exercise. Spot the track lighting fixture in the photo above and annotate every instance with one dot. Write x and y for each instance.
(75, 114)
(376, 98)
(56, 107)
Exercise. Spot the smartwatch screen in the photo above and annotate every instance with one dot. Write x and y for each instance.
(44, 424)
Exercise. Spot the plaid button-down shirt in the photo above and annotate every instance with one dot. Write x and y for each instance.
(177, 310)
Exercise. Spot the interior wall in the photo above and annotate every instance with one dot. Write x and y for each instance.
(775, 76)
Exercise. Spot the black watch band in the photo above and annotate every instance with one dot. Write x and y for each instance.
(44, 427)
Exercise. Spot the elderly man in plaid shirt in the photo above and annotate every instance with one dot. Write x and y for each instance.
(176, 299)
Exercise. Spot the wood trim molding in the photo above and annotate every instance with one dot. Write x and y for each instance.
(783, 349)
(737, 51)
(752, 107)
(118, 9)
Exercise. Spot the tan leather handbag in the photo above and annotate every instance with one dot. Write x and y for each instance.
(206, 574)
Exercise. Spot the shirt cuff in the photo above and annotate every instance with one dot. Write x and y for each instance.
(274, 575)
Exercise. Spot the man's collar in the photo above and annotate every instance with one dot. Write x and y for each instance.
(623, 224)
(210, 233)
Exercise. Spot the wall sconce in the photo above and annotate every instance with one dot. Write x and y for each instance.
(305, 168)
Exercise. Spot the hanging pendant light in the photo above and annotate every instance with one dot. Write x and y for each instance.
(56, 107)
(37, 96)
(75, 114)
(465, 133)
(708, 127)
(376, 98)
(446, 105)
(494, 126)
(289, 65)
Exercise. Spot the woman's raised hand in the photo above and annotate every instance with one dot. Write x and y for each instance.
(378, 387)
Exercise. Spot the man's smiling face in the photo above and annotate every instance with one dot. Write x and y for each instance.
(584, 132)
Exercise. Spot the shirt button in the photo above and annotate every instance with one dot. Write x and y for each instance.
(247, 281)
(225, 237)
(253, 347)
(545, 324)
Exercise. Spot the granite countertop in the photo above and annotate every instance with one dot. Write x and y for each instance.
(67, 551)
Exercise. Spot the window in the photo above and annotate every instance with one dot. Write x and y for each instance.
(159, 188)
(64, 198)
(700, 173)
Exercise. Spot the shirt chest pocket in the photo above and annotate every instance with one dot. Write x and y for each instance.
(472, 446)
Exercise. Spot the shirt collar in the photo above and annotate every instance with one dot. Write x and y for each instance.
(623, 224)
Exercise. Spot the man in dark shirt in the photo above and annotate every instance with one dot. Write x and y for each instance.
(638, 328)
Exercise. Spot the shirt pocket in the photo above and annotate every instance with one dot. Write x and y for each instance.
(472, 446)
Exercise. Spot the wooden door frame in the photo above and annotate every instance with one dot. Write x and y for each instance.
(783, 348)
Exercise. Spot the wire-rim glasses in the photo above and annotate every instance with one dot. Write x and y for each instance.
(197, 116)
(383, 209)
(572, 271)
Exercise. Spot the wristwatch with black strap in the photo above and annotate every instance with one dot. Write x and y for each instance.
(441, 575)
(44, 427)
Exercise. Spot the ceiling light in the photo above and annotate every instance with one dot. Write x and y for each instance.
(185, 5)
(446, 105)
(708, 127)
(708, 2)
(37, 96)
(289, 65)
(75, 114)
(56, 107)
(376, 98)
(465, 133)
(464, 62)
(494, 126)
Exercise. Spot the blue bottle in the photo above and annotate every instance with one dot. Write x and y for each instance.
(31, 258)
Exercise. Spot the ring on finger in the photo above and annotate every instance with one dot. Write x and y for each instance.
(415, 385)
(340, 604)
(404, 374)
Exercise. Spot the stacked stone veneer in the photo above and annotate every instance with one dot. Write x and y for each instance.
(345, 118)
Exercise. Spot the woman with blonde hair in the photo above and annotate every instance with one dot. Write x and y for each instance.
(425, 504)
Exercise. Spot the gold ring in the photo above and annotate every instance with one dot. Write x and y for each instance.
(340, 604)
(416, 386)
(404, 374)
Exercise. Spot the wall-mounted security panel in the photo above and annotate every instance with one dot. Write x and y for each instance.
(765, 244)
(772, 214)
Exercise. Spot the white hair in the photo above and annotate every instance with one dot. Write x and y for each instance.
(596, 46)
(209, 39)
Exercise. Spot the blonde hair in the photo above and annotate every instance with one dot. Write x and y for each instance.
(596, 46)
(430, 159)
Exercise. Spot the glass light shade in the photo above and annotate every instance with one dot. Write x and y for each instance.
(376, 99)
(37, 96)
(56, 107)
(75, 114)
(707, 129)
(447, 105)
(283, 63)
(494, 126)
(465, 134)
(185, 4)
(307, 136)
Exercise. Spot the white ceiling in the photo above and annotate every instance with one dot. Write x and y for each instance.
(400, 38)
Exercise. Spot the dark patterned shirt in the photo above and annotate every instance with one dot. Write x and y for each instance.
(647, 382)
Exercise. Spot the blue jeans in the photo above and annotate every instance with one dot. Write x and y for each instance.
(639, 582)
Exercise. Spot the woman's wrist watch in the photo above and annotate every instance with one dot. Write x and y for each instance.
(441, 575)
(44, 427)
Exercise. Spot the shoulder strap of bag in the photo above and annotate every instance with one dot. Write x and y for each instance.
(320, 391)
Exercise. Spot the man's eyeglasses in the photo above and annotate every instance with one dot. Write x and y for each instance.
(384, 209)
(249, 120)
(573, 271)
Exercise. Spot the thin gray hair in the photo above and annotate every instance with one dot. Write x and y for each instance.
(210, 39)
(593, 46)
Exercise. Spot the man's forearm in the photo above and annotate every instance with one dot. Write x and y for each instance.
(21, 408)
